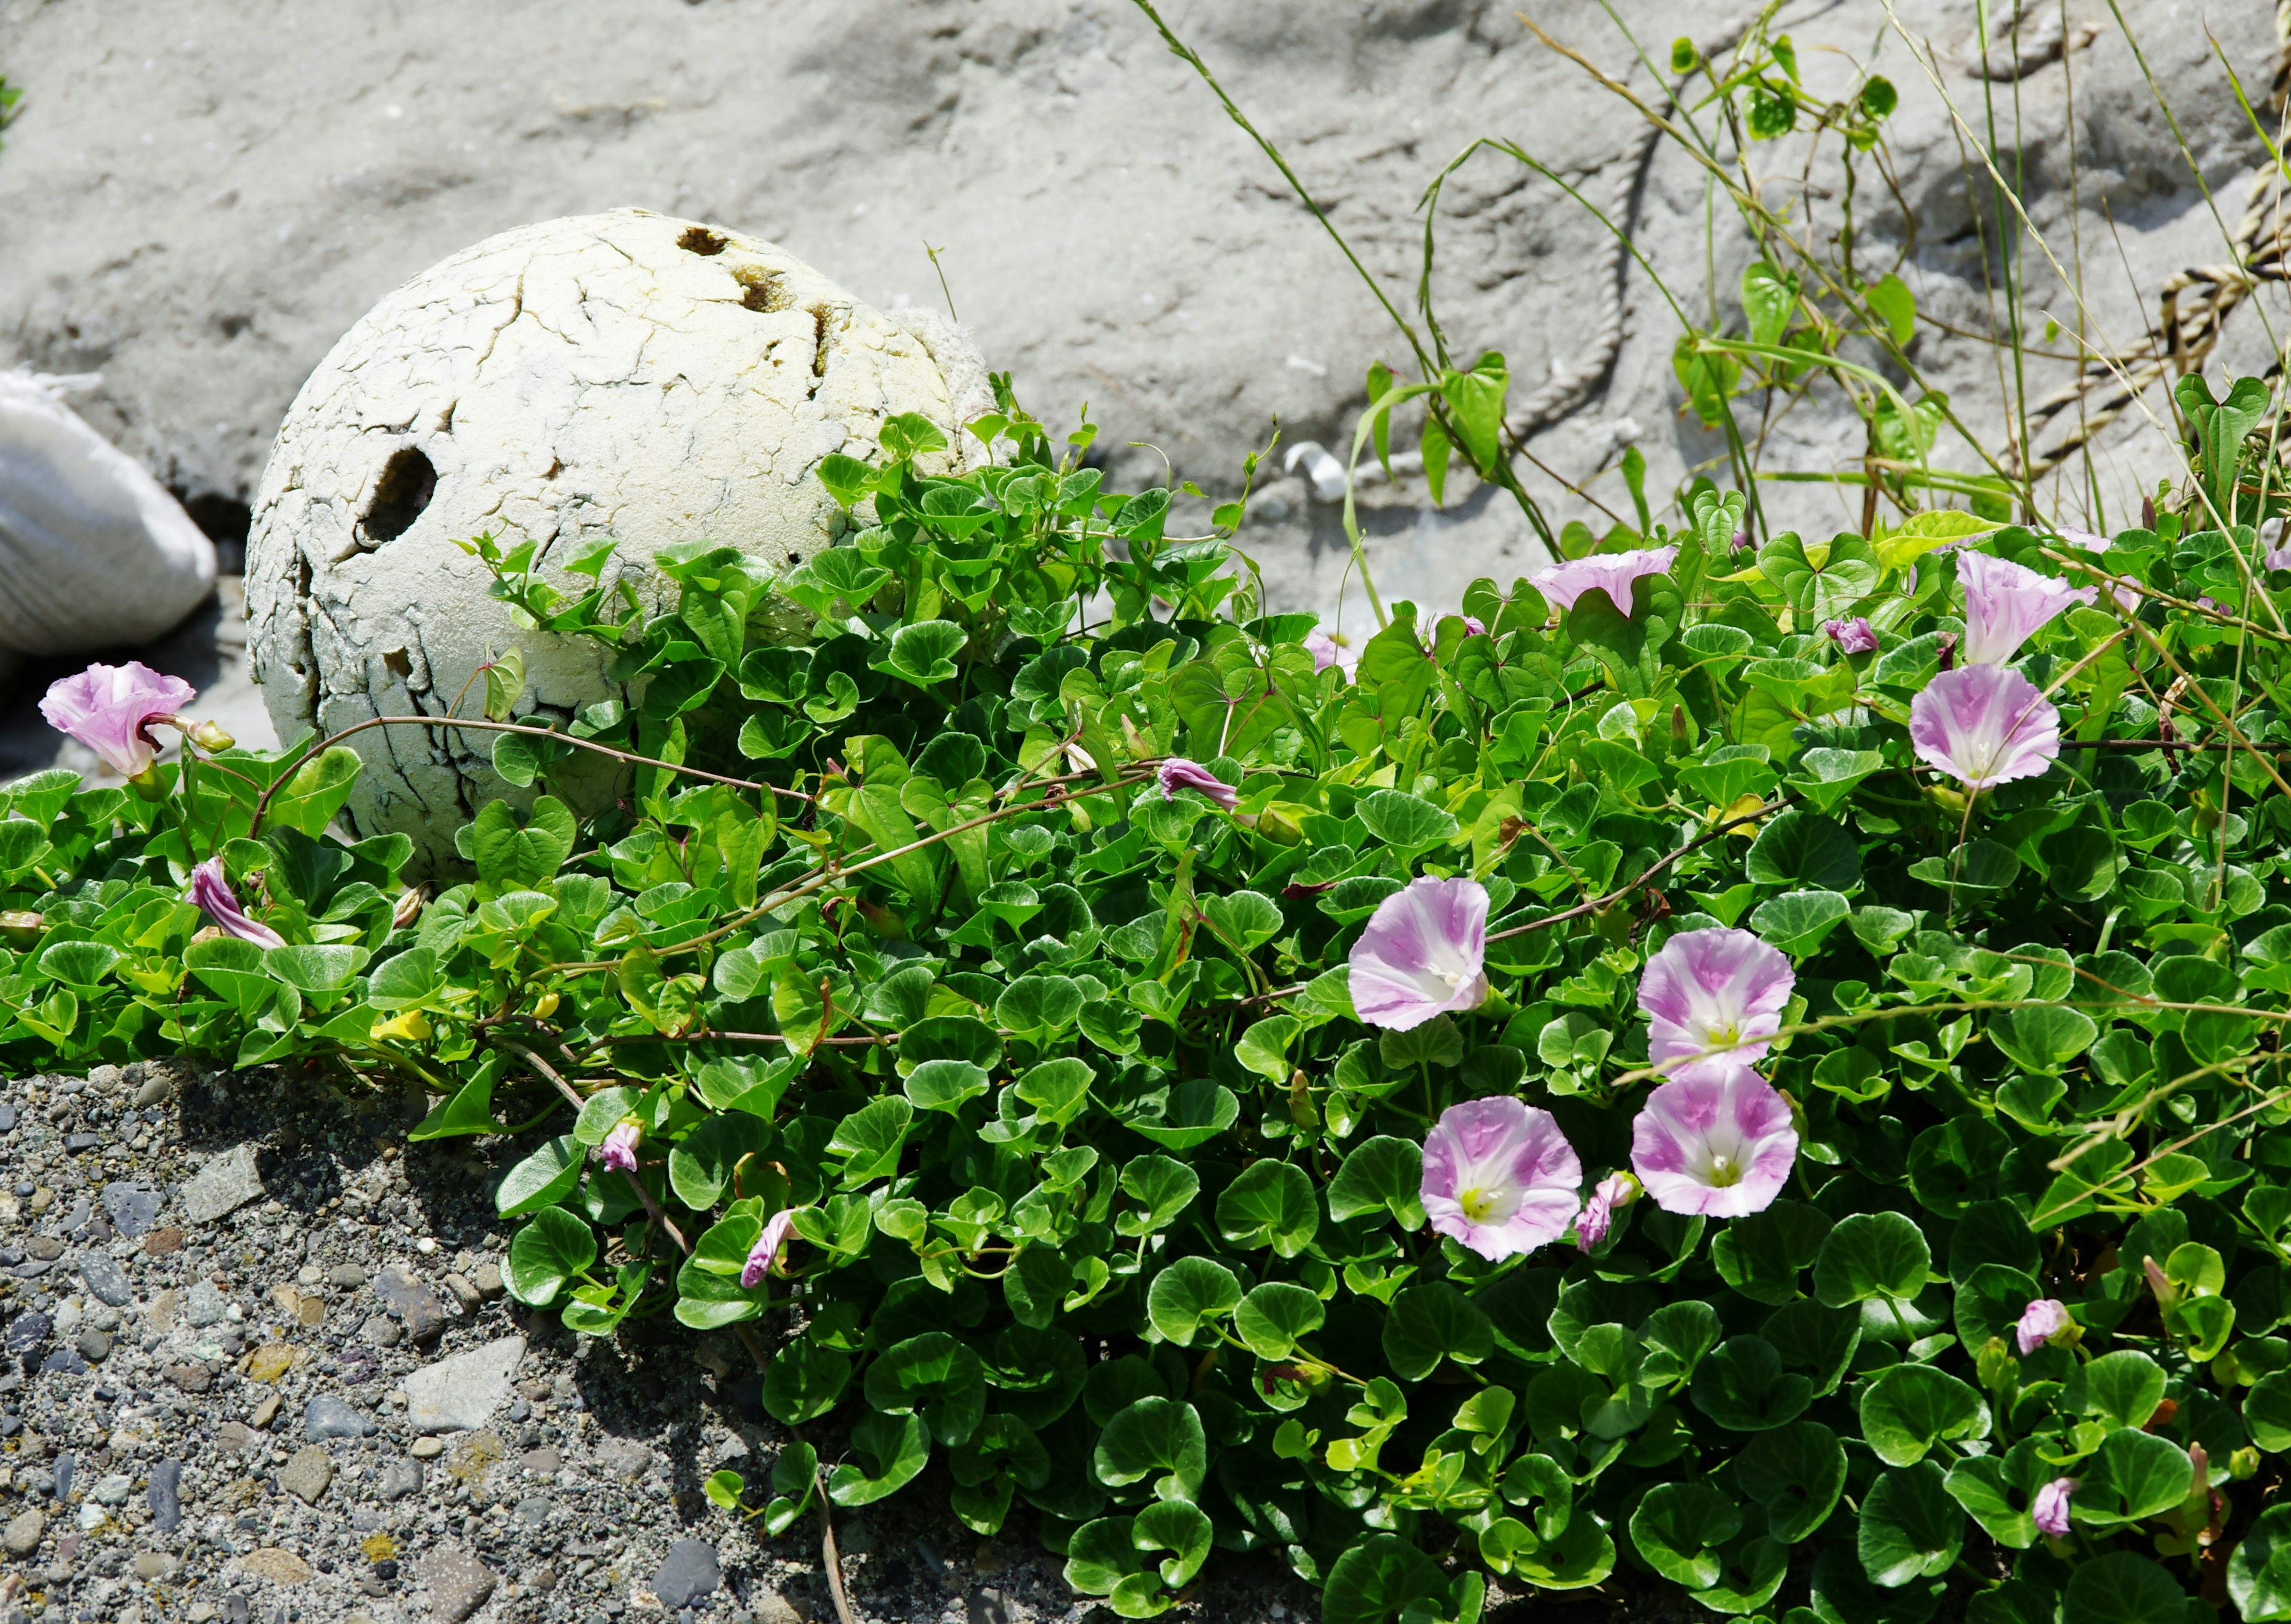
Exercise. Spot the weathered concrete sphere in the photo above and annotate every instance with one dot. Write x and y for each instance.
(625, 375)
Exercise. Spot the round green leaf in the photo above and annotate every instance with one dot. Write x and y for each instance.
(1908, 1409)
(1382, 1172)
(1679, 1527)
(552, 1249)
(1910, 1528)
(1188, 1295)
(1270, 1204)
(1804, 850)
(1377, 1580)
(2121, 1587)
(890, 1450)
(1798, 1473)
(543, 1178)
(1431, 1323)
(1156, 1435)
(1743, 1387)
(1871, 1255)
(1272, 1318)
(803, 1382)
(2259, 1571)
(934, 1376)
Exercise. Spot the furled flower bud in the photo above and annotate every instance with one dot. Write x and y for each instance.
(618, 1153)
(208, 736)
(410, 904)
(2050, 1509)
(2046, 1323)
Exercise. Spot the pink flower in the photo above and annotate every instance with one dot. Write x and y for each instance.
(1853, 636)
(2279, 557)
(1500, 1177)
(2084, 541)
(1178, 774)
(1615, 1192)
(1984, 725)
(2050, 1509)
(110, 709)
(2005, 603)
(1720, 1147)
(765, 1254)
(1611, 573)
(1422, 955)
(211, 891)
(1326, 651)
(2045, 1320)
(1719, 989)
(1472, 627)
(618, 1153)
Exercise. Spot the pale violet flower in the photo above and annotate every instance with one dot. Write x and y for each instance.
(1326, 651)
(110, 710)
(1611, 573)
(1719, 989)
(1423, 954)
(1500, 1178)
(2046, 1320)
(2279, 557)
(765, 1255)
(211, 891)
(2050, 1509)
(1855, 636)
(1719, 1147)
(618, 1153)
(2084, 541)
(1178, 774)
(2006, 604)
(1472, 628)
(1614, 1193)
(1984, 725)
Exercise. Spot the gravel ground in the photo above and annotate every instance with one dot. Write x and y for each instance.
(255, 1364)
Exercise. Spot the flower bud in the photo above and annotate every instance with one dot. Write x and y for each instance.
(22, 925)
(545, 1007)
(409, 906)
(2243, 1464)
(208, 736)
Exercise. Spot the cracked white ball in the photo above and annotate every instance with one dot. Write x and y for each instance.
(631, 376)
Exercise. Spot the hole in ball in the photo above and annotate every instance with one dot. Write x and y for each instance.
(406, 485)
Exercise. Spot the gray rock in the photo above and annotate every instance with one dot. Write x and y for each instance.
(7, 1117)
(625, 1458)
(329, 1417)
(346, 1276)
(224, 1184)
(380, 1330)
(67, 1467)
(308, 1474)
(64, 1362)
(459, 1584)
(413, 1300)
(22, 1535)
(114, 1490)
(690, 1573)
(206, 1305)
(400, 1478)
(166, 1494)
(106, 1279)
(95, 1346)
(461, 1394)
(155, 1091)
(27, 1331)
(133, 1209)
(533, 1511)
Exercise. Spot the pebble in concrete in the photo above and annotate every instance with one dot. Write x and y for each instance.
(690, 1573)
(460, 1394)
(223, 1185)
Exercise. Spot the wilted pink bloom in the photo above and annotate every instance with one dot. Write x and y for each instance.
(1984, 725)
(1422, 955)
(765, 1254)
(1178, 774)
(2050, 1509)
(211, 891)
(1720, 1147)
(1326, 651)
(1615, 1192)
(1855, 636)
(1500, 1177)
(2084, 541)
(110, 709)
(618, 1153)
(2005, 603)
(1472, 627)
(1717, 989)
(2044, 1320)
(1611, 573)
(1741, 539)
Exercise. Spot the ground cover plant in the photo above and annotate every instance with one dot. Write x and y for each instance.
(1736, 1060)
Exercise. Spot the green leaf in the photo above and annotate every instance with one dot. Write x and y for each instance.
(1163, 1187)
(1190, 1115)
(548, 1252)
(543, 1179)
(1889, 298)
(2132, 1476)
(871, 1138)
(310, 798)
(2122, 1587)
(1429, 1323)
(1743, 1387)
(1270, 1204)
(1156, 1435)
(1380, 1579)
(2122, 1388)
(923, 653)
(1805, 851)
(1404, 821)
(1910, 1528)
(1274, 1316)
(1264, 1048)
(1679, 1527)
(528, 855)
(1382, 1172)
(944, 1085)
(1189, 1294)
(804, 1381)
(412, 980)
(700, 1167)
(2042, 1037)
(1798, 1473)
(2259, 1571)
(80, 964)
(1246, 919)
(1910, 1409)
(934, 1376)
(1796, 921)
(1871, 1255)
(314, 968)
(891, 1452)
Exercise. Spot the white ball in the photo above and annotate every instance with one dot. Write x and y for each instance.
(625, 375)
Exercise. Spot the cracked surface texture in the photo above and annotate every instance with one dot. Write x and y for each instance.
(625, 375)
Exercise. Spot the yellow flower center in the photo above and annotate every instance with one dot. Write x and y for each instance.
(1723, 1172)
(1480, 1206)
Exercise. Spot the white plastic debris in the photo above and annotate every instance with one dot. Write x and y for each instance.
(93, 553)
